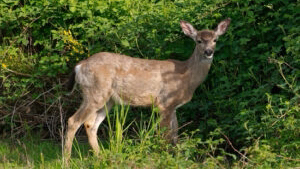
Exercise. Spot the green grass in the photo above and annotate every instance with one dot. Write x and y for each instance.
(25, 153)
(153, 153)
(146, 149)
(143, 148)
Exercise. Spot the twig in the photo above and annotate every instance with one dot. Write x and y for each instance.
(288, 158)
(138, 47)
(235, 148)
(62, 129)
(4, 116)
(272, 60)
(278, 119)
(11, 120)
(43, 94)
(18, 73)
(184, 125)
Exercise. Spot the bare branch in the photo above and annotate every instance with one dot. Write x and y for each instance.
(229, 142)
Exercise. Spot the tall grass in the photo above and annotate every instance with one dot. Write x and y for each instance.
(117, 128)
(146, 149)
(129, 145)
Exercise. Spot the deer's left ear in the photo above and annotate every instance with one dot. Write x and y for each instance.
(188, 29)
(222, 27)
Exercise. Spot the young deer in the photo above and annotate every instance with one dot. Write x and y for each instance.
(108, 78)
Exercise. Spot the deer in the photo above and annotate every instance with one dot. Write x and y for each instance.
(107, 79)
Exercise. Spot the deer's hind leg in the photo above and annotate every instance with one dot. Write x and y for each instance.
(74, 122)
(92, 102)
(92, 124)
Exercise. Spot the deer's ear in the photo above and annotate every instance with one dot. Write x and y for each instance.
(222, 27)
(188, 29)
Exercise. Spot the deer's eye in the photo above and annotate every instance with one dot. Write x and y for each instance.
(199, 41)
(215, 40)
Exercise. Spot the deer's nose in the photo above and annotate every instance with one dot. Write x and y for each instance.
(208, 52)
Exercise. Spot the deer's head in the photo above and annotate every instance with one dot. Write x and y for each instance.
(205, 39)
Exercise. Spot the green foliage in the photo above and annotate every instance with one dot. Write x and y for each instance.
(251, 94)
(147, 150)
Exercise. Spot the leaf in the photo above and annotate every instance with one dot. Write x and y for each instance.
(125, 43)
(243, 41)
(72, 8)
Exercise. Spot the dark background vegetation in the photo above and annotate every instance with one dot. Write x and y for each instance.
(249, 104)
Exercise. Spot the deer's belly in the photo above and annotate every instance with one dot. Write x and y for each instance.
(137, 90)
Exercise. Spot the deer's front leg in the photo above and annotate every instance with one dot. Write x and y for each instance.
(169, 122)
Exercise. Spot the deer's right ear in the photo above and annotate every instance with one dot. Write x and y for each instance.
(188, 29)
(222, 27)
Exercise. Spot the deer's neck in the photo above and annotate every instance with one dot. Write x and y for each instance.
(199, 67)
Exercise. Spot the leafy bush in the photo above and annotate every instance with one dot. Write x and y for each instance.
(251, 94)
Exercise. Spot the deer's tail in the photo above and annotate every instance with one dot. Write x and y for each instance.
(71, 82)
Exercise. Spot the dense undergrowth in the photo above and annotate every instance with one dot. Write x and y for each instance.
(246, 113)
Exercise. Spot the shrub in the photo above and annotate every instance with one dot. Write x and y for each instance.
(251, 94)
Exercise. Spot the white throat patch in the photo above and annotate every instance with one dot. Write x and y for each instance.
(209, 57)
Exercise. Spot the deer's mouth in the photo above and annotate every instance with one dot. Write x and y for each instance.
(209, 53)
(210, 56)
